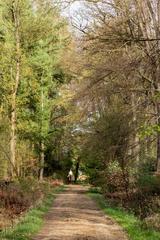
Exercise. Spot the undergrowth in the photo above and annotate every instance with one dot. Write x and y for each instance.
(132, 225)
(33, 220)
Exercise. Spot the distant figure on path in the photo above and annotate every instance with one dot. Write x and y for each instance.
(70, 176)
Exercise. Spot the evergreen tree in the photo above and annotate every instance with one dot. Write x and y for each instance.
(33, 38)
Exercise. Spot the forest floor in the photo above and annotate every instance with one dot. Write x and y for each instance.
(74, 216)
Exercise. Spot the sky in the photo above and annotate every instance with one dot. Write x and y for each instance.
(73, 9)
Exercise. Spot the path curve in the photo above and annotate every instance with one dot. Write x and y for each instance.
(74, 216)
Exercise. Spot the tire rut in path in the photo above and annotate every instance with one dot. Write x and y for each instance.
(74, 216)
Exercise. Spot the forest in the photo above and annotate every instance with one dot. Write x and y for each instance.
(80, 93)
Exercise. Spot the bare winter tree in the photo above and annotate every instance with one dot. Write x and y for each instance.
(122, 40)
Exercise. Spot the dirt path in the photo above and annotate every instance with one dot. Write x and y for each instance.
(74, 216)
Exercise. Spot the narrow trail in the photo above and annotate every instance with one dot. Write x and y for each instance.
(74, 216)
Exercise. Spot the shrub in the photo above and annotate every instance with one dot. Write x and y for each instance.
(116, 180)
(149, 184)
(17, 197)
(147, 165)
(153, 221)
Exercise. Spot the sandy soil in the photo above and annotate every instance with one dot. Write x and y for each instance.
(74, 216)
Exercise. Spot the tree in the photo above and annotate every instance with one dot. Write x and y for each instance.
(33, 39)
(121, 47)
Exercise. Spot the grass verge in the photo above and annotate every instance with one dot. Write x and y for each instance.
(33, 220)
(128, 221)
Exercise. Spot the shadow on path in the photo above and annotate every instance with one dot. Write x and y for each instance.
(74, 216)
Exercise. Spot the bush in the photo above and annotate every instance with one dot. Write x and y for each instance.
(149, 184)
(17, 197)
(116, 180)
(148, 166)
(153, 221)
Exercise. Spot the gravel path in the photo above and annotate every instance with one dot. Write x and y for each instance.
(74, 216)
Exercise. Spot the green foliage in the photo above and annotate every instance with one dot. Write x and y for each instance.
(149, 183)
(147, 165)
(149, 130)
(43, 40)
(146, 180)
(105, 151)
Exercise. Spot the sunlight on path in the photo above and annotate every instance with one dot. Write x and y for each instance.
(74, 216)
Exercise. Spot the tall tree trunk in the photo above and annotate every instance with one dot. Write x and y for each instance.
(77, 170)
(158, 84)
(13, 137)
(41, 162)
(136, 144)
(158, 134)
(42, 141)
(157, 91)
(155, 32)
(15, 13)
